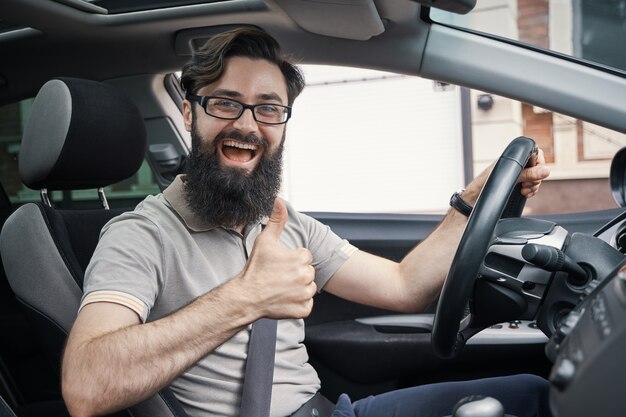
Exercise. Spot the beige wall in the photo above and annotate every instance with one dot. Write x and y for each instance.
(571, 196)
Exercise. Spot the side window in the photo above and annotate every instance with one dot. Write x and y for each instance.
(368, 141)
(12, 121)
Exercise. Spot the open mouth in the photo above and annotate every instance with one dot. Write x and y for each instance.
(239, 152)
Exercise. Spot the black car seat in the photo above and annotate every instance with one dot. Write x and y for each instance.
(80, 134)
(44, 409)
(5, 410)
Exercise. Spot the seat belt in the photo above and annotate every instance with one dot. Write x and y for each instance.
(259, 375)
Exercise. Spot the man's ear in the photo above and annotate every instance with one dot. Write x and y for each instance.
(187, 114)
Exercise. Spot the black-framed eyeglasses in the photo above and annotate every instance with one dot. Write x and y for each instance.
(229, 109)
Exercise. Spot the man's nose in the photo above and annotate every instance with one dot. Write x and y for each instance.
(246, 122)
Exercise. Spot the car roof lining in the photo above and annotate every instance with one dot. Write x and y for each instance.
(96, 46)
(101, 47)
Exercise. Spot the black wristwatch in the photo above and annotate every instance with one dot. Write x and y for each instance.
(459, 204)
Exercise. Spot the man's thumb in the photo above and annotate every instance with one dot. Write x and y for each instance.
(277, 220)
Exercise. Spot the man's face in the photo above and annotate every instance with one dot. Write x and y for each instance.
(249, 81)
(234, 169)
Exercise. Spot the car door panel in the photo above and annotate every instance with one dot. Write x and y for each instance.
(364, 350)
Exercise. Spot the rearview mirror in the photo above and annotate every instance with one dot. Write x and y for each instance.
(618, 177)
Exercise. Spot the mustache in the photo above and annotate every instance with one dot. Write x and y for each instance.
(238, 136)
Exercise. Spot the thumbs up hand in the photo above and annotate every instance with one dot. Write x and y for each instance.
(280, 280)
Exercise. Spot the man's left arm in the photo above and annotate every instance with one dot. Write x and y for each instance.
(413, 284)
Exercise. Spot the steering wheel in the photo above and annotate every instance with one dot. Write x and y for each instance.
(497, 195)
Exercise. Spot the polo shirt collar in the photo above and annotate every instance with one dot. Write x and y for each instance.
(175, 196)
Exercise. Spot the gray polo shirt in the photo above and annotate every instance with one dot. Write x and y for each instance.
(160, 257)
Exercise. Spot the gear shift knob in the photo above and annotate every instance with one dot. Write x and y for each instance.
(478, 406)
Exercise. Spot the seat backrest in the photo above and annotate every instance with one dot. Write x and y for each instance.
(5, 410)
(80, 135)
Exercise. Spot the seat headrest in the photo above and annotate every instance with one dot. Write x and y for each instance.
(81, 134)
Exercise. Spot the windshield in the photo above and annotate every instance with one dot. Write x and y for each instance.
(592, 30)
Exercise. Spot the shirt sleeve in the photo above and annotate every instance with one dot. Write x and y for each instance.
(329, 251)
(127, 265)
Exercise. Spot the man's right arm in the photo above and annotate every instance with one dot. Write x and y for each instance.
(112, 361)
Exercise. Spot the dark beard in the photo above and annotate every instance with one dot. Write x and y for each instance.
(226, 196)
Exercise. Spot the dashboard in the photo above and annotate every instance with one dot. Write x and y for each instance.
(588, 350)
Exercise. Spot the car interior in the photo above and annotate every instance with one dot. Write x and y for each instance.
(527, 292)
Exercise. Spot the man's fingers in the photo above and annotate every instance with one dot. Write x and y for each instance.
(277, 220)
(531, 177)
(534, 174)
(540, 158)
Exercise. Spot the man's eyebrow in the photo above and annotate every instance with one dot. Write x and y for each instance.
(222, 92)
(270, 96)
(226, 93)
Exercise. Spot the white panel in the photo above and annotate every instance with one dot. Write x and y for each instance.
(384, 143)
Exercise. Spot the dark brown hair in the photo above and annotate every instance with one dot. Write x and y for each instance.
(207, 63)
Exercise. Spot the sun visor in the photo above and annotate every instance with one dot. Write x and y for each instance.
(329, 18)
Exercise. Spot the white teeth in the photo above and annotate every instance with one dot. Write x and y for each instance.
(240, 145)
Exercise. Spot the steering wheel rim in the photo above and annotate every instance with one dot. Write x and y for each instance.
(496, 196)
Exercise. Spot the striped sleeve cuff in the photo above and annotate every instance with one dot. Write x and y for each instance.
(328, 268)
(117, 297)
(348, 250)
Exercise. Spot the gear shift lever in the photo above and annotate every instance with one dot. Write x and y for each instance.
(478, 406)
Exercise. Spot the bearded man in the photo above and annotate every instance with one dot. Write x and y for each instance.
(174, 286)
